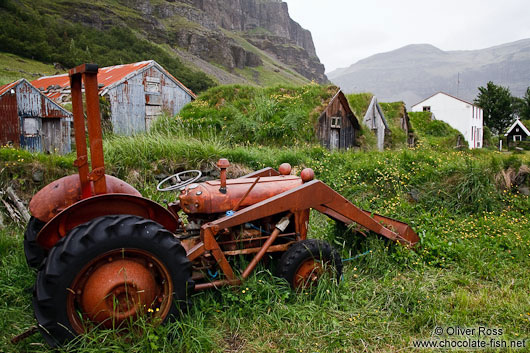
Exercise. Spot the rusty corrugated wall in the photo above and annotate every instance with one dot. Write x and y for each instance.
(9, 121)
(32, 121)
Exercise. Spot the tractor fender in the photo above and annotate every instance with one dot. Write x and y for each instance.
(103, 205)
(66, 191)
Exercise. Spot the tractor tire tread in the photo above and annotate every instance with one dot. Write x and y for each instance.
(303, 250)
(34, 253)
(91, 239)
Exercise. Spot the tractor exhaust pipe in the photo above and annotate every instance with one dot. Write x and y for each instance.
(223, 164)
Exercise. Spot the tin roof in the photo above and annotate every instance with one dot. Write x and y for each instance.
(108, 77)
(7, 87)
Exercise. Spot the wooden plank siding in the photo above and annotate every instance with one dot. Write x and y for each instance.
(349, 126)
(374, 119)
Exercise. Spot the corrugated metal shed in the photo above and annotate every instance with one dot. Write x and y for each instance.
(31, 120)
(136, 93)
(338, 126)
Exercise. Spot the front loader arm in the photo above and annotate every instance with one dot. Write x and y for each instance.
(315, 194)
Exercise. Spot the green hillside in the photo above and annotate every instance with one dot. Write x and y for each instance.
(34, 30)
(13, 67)
(113, 32)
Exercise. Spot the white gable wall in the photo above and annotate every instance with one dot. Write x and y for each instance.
(374, 121)
(462, 116)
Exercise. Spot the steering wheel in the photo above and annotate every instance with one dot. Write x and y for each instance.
(179, 180)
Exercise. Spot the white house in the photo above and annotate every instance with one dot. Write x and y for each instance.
(458, 113)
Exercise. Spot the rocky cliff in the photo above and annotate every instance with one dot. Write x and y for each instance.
(250, 40)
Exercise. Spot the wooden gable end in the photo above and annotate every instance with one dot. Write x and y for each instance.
(337, 125)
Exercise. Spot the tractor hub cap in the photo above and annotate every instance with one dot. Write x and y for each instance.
(116, 291)
(307, 274)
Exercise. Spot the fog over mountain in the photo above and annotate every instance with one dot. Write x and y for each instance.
(415, 72)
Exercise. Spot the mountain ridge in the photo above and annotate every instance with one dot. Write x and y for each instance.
(416, 71)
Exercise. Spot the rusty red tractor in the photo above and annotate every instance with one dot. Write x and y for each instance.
(105, 254)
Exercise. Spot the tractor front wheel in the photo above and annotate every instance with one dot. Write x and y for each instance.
(107, 272)
(304, 263)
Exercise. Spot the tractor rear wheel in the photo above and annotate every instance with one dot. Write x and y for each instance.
(107, 272)
(304, 263)
(34, 253)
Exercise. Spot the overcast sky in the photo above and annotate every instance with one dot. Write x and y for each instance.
(345, 31)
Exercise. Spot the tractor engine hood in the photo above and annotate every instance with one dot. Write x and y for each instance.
(208, 198)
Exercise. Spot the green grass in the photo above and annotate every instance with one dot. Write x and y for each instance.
(394, 112)
(435, 133)
(241, 114)
(470, 268)
(359, 103)
(13, 67)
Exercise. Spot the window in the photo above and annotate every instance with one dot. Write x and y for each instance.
(152, 84)
(517, 138)
(336, 122)
(427, 108)
(31, 126)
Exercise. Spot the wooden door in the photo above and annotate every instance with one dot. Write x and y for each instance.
(52, 137)
(334, 139)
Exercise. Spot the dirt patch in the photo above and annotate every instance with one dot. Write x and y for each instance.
(234, 342)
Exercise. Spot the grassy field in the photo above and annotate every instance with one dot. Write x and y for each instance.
(470, 269)
(13, 67)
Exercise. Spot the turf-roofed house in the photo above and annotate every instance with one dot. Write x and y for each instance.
(31, 120)
(374, 118)
(132, 95)
(338, 126)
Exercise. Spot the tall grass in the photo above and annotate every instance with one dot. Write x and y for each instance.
(274, 116)
(470, 268)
